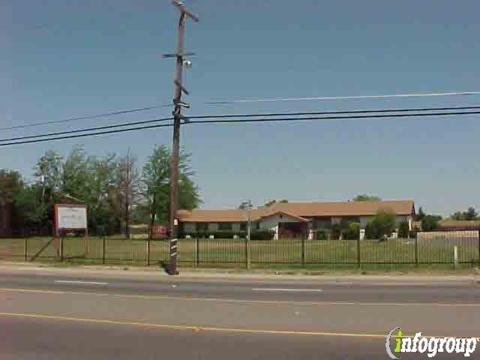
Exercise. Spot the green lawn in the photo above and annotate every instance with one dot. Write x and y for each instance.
(232, 252)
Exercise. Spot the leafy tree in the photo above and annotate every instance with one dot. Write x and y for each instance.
(420, 214)
(382, 224)
(49, 170)
(403, 230)
(11, 184)
(156, 177)
(352, 232)
(78, 175)
(30, 209)
(271, 202)
(128, 184)
(470, 214)
(430, 222)
(366, 197)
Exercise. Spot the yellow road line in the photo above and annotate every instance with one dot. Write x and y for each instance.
(274, 302)
(187, 327)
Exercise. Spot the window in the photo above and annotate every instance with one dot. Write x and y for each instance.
(225, 226)
(243, 226)
(202, 227)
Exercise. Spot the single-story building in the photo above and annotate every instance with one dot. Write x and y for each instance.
(458, 225)
(297, 219)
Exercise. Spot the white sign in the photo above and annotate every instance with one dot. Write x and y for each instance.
(71, 217)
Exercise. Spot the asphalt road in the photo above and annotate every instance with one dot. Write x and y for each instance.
(67, 315)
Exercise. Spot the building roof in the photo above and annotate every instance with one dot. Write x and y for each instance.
(459, 224)
(301, 210)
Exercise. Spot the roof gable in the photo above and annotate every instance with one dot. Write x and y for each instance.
(301, 210)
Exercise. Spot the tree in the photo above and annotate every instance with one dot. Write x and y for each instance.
(430, 222)
(403, 230)
(366, 197)
(11, 184)
(78, 175)
(382, 224)
(30, 209)
(156, 177)
(470, 214)
(128, 183)
(271, 202)
(48, 170)
(420, 214)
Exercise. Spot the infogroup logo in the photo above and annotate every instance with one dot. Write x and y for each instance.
(397, 342)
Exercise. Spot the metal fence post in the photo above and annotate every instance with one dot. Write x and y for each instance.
(104, 240)
(61, 246)
(148, 251)
(479, 248)
(359, 259)
(416, 250)
(25, 248)
(247, 252)
(303, 250)
(197, 251)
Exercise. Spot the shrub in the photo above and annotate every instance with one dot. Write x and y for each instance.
(381, 225)
(403, 230)
(352, 232)
(321, 235)
(262, 235)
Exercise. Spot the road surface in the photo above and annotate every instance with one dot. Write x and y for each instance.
(84, 315)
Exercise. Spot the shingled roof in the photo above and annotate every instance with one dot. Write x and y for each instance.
(301, 210)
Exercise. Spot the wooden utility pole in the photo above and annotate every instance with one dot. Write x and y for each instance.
(177, 118)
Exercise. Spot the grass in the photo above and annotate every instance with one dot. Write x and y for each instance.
(286, 253)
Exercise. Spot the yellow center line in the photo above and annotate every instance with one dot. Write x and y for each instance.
(187, 327)
(226, 300)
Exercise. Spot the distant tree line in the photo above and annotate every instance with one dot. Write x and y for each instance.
(118, 193)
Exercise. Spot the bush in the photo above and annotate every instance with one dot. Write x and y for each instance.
(381, 225)
(254, 235)
(403, 230)
(336, 232)
(262, 235)
(352, 232)
(321, 235)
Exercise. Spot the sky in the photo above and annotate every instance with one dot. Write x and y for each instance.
(64, 58)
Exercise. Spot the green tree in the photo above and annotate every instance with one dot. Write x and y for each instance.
(30, 209)
(382, 224)
(156, 177)
(469, 214)
(420, 214)
(128, 184)
(49, 170)
(78, 175)
(366, 197)
(403, 230)
(271, 202)
(11, 184)
(430, 222)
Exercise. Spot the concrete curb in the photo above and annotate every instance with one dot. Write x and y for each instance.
(225, 276)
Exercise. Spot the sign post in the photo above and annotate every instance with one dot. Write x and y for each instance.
(71, 217)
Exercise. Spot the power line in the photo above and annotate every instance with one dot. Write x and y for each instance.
(86, 135)
(250, 120)
(258, 115)
(95, 116)
(338, 112)
(351, 117)
(333, 98)
(239, 101)
(87, 129)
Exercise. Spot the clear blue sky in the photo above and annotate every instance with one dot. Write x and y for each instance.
(61, 58)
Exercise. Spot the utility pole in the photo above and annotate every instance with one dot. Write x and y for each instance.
(177, 118)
